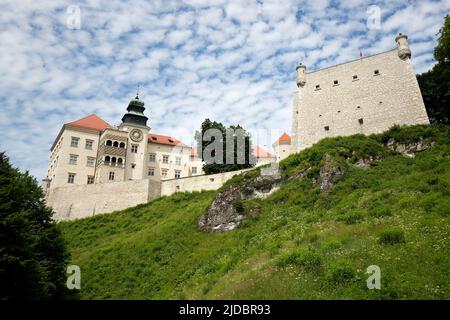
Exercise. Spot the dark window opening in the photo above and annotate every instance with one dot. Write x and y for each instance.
(336, 82)
(327, 128)
(361, 121)
(355, 77)
(376, 72)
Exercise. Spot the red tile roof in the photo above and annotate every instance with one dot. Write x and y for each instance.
(93, 122)
(259, 152)
(157, 138)
(285, 138)
(193, 152)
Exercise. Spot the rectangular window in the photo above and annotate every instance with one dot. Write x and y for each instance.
(71, 178)
(151, 172)
(90, 180)
(355, 77)
(164, 172)
(177, 174)
(194, 170)
(317, 86)
(335, 82)
(134, 148)
(178, 161)
(111, 176)
(327, 128)
(74, 142)
(89, 144)
(152, 157)
(165, 159)
(376, 72)
(90, 161)
(73, 159)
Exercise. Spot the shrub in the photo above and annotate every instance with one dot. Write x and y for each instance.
(308, 258)
(341, 272)
(392, 237)
(351, 218)
(239, 205)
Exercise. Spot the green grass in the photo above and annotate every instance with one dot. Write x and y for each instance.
(303, 245)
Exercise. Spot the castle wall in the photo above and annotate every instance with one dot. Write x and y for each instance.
(82, 201)
(371, 103)
(197, 183)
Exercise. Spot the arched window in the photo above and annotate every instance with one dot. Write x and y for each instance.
(116, 144)
(113, 160)
(107, 159)
(122, 145)
(108, 142)
(119, 161)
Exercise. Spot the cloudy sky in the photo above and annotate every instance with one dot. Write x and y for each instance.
(231, 61)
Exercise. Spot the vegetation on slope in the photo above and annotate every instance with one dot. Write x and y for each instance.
(304, 244)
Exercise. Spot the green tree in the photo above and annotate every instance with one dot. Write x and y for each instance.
(32, 252)
(235, 132)
(435, 83)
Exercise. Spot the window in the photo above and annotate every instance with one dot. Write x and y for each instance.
(109, 143)
(376, 72)
(177, 174)
(89, 144)
(133, 165)
(116, 144)
(122, 145)
(71, 178)
(111, 176)
(74, 142)
(119, 161)
(73, 159)
(358, 107)
(151, 172)
(327, 128)
(152, 157)
(194, 170)
(335, 82)
(164, 172)
(107, 159)
(134, 148)
(90, 161)
(90, 180)
(361, 121)
(178, 161)
(165, 159)
(317, 86)
(355, 77)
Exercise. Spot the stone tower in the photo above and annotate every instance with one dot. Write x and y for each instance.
(135, 123)
(367, 95)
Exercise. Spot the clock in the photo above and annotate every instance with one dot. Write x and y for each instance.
(136, 135)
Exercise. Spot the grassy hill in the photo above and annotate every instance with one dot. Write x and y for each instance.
(303, 244)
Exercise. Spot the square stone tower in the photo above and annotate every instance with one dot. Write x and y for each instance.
(368, 95)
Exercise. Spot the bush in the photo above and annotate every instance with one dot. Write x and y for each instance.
(392, 237)
(341, 272)
(308, 258)
(351, 218)
(239, 205)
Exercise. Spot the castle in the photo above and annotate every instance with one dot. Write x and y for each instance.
(92, 162)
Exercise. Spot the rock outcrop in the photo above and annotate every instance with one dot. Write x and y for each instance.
(330, 172)
(411, 148)
(224, 214)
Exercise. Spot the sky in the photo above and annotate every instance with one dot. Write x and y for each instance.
(230, 61)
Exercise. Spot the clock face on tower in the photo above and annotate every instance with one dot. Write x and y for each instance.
(136, 135)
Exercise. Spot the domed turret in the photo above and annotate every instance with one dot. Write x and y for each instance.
(301, 75)
(135, 114)
(402, 46)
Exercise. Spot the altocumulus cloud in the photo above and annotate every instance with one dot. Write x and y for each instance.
(232, 61)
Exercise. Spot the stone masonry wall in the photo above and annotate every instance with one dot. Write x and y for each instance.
(77, 202)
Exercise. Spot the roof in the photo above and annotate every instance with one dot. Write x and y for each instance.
(284, 138)
(167, 140)
(92, 121)
(259, 152)
(193, 152)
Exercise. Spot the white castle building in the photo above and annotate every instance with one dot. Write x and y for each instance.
(95, 168)
(90, 151)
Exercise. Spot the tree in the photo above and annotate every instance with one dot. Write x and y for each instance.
(435, 83)
(216, 134)
(32, 252)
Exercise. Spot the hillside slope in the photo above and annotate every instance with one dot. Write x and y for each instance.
(387, 209)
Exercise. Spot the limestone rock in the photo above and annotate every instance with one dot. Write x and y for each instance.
(409, 149)
(330, 172)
